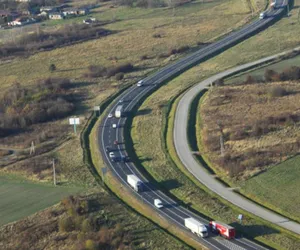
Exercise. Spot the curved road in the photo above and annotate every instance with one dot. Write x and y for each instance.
(194, 167)
(130, 98)
(172, 211)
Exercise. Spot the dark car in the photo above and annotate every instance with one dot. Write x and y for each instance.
(107, 149)
(124, 158)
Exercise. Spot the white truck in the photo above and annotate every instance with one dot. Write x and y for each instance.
(118, 111)
(135, 182)
(196, 227)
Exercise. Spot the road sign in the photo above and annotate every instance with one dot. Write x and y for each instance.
(74, 121)
(240, 217)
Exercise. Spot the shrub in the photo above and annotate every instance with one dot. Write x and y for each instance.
(119, 76)
(144, 57)
(156, 35)
(278, 92)
(250, 80)
(218, 82)
(86, 226)
(52, 67)
(90, 245)
(66, 224)
(124, 68)
(292, 73)
(271, 75)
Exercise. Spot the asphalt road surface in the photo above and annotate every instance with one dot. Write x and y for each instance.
(186, 156)
(130, 98)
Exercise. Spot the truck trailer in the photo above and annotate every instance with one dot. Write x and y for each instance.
(118, 111)
(196, 227)
(135, 182)
(222, 229)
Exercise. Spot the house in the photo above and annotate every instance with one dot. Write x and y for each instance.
(7, 16)
(75, 12)
(49, 9)
(21, 21)
(56, 16)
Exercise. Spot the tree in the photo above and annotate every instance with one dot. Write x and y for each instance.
(23, 6)
(52, 67)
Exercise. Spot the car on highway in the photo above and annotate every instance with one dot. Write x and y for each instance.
(107, 149)
(158, 203)
(263, 15)
(110, 115)
(124, 158)
(115, 142)
(112, 156)
(121, 101)
(140, 83)
(114, 125)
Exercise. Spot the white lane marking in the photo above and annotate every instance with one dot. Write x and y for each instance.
(229, 244)
(252, 244)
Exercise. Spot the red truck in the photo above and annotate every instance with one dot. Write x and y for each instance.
(222, 229)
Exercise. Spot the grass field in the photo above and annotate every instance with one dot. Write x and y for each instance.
(20, 199)
(256, 135)
(118, 224)
(192, 23)
(147, 129)
(277, 188)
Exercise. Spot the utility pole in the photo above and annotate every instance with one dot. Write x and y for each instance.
(32, 148)
(54, 173)
(222, 144)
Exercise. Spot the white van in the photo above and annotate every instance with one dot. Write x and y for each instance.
(263, 15)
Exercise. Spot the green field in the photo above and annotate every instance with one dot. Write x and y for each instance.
(19, 199)
(278, 188)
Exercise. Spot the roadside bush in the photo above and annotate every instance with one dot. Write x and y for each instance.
(119, 76)
(292, 73)
(249, 80)
(123, 68)
(271, 75)
(218, 82)
(100, 71)
(181, 49)
(277, 92)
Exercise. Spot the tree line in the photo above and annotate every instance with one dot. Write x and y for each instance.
(22, 106)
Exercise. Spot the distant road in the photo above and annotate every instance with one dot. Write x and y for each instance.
(187, 158)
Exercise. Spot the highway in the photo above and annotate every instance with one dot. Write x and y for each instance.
(187, 158)
(130, 98)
